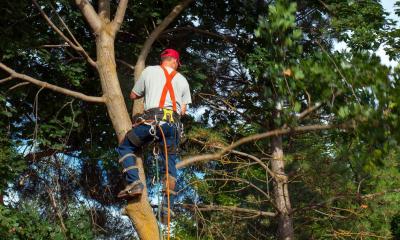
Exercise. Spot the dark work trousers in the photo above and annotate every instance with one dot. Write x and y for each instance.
(142, 132)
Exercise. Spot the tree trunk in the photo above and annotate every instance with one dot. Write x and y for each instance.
(139, 211)
(281, 193)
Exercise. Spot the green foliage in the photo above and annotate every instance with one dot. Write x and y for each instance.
(25, 222)
(395, 227)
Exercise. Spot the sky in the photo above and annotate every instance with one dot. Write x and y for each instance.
(389, 7)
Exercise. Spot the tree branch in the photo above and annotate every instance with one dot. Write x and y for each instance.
(130, 66)
(55, 88)
(78, 48)
(256, 159)
(90, 15)
(5, 79)
(205, 208)
(119, 16)
(140, 63)
(378, 194)
(201, 31)
(277, 132)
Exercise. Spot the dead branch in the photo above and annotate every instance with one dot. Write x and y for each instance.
(77, 48)
(225, 38)
(18, 85)
(373, 195)
(56, 210)
(277, 132)
(130, 66)
(55, 88)
(256, 159)
(5, 79)
(204, 208)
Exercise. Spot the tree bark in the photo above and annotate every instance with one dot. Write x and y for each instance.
(281, 193)
(139, 211)
(112, 93)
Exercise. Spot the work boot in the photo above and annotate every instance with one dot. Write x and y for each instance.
(132, 190)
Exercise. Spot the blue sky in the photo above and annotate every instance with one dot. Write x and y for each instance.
(389, 7)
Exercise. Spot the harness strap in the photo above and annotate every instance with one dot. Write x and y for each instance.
(168, 88)
(129, 168)
(126, 156)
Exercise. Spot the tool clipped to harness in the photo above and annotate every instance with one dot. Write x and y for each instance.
(168, 115)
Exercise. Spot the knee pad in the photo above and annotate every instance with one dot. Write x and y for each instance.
(134, 139)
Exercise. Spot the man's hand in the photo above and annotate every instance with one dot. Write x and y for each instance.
(133, 96)
(183, 109)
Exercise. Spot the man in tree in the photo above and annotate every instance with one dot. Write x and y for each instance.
(166, 95)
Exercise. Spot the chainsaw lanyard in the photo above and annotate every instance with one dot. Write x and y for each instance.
(168, 88)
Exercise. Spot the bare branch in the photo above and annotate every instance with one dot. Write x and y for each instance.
(140, 63)
(56, 210)
(203, 32)
(125, 64)
(119, 15)
(18, 85)
(309, 110)
(373, 195)
(276, 132)
(90, 15)
(55, 46)
(256, 159)
(6, 79)
(59, 32)
(204, 208)
(51, 86)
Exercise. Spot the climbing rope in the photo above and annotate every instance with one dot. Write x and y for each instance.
(156, 158)
(153, 132)
(166, 181)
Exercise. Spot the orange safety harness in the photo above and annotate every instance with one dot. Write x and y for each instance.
(168, 88)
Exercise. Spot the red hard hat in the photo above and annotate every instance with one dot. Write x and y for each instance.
(169, 52)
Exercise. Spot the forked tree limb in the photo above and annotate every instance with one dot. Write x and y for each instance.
(90, 15)
(204, 208)
(277, 132)
(55, 88)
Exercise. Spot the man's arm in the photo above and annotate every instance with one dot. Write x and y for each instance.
(134, 96)
(186, 98)
(138, 90)
(183, 109)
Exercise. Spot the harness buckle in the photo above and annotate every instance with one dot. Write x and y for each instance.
(168, 115)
